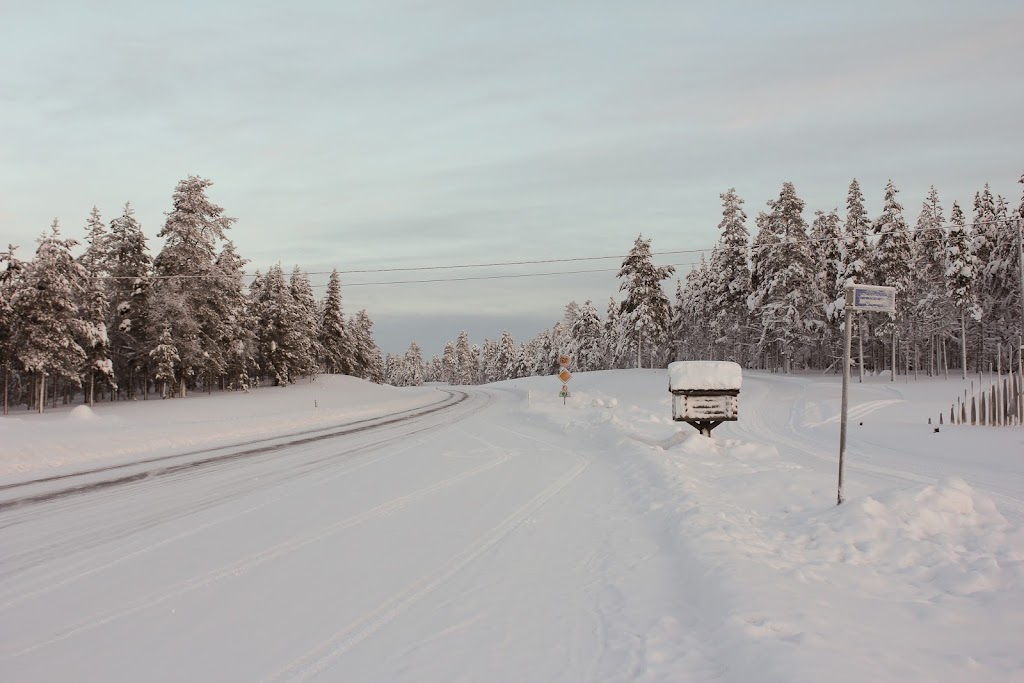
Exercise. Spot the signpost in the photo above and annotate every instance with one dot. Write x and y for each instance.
(858, 298)
(564, 375)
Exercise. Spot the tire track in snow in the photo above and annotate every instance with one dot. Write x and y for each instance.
(14, 565)
(254, 560)
(317, 659)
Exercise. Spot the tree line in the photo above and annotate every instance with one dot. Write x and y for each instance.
(776, 301)
(118, 323)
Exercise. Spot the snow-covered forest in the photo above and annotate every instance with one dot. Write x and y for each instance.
(777, 302)
(115, 322)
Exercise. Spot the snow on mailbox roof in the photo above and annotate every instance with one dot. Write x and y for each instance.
(704, 375)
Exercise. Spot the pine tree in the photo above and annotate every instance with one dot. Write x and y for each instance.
(587, 334)
(307, 324)
(335, 343)
(826, 251)
(279, 337)
(129, 289)
(508, 357)
(413, 366)
(450, 363)
(787, 294)
(367, 361)
(960, 273)
(929, 303)
(164, 357)
(11, 270)
(1000, 298)
(188, 279)
(856, 250)
(95, 308)
(46, 313)
(646, 308)
(466, 364)
(94, 259)
(614, 342)
(695, 314)
(731, 271)
(892, 252)
(239, 329)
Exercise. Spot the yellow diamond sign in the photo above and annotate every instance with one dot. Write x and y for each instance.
(565, 375)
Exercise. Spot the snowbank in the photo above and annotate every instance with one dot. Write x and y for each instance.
(919, 575)
(66, 438)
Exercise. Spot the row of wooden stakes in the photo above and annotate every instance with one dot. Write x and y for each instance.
(1000, 404)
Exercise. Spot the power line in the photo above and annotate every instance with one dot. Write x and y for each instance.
(498, 264)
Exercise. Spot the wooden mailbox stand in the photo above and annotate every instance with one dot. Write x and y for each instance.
(705, 393)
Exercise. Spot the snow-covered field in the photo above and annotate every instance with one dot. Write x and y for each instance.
(509, 537)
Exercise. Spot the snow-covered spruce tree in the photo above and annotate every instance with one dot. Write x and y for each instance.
(467, 366)
(826, 251)
(414, 370)
(94, 258)
(46, 314)
(129, 266)
(187, 280)
(394, 369)
(94, 309)
(787, 295)
(985, 231)
(694, 314)
(646, 309)
(1002, 277)
(930, 306)
(961, 267)
(856, 250)
(563, 340)
(588, 353)
(367, 361)
(614, 337)
(489, 361)
(239, 330)
(892, 254)
(508, 357)
(164, 358)
(532, 358)
(984, 236)
(335, 341)
(279, 338)
(825, 247)
(731, 273)
(449, 363)
(308, 323)
(11, 268)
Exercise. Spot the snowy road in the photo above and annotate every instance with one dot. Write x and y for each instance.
(363, 533)
(439, 548)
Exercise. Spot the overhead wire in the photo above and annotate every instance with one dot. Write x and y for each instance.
(528, 262)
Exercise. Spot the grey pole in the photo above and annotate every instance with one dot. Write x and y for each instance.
(845, 403)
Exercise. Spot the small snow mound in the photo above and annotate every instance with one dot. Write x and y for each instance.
(82, 413)
(946, 535)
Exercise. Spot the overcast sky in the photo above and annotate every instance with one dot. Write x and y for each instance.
(376, 134)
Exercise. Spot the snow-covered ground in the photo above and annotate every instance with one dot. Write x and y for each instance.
(509, 537)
